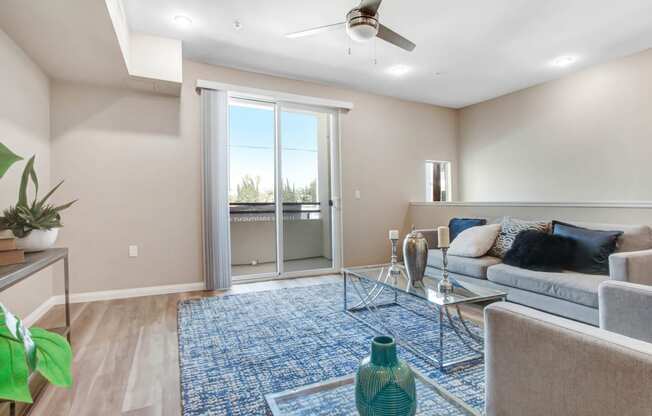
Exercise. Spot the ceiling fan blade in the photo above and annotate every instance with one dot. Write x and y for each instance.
(370, 6)
(315, 30)
(388, 35)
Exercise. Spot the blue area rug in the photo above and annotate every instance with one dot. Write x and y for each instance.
(233, 350)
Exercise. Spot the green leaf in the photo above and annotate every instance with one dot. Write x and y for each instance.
(53, 357)
(7, 158)
(24, 181)
(14, 373)
(20, 333)
(32, 174)
(49, 194)
(65, 206)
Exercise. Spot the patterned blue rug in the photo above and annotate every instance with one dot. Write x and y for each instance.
(233, 350)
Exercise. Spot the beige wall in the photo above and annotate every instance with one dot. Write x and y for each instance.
(134, 161)
(585, 137)
(25, 129)
(429, 216)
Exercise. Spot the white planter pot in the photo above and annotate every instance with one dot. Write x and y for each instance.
(38, 240)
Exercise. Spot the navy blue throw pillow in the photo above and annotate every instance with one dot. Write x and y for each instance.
(537, 250)
(457, 225)
(592, 247)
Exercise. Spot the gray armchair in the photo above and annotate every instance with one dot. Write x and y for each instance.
(540, 364)
(631, 266)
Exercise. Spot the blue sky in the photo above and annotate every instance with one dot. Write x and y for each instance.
(252, 146)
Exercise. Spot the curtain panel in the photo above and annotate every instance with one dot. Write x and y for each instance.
(216, 240)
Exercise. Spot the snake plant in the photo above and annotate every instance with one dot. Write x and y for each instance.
(38, 214)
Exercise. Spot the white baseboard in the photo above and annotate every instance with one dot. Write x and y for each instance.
(39, 312)
(109, 295)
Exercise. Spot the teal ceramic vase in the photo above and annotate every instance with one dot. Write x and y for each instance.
(384, 384)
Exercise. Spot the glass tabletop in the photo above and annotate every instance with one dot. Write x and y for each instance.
(463, 292)
(336, 397)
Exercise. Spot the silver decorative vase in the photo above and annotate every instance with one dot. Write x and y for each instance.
(415, 255)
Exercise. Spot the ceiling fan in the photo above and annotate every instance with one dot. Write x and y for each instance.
(361, 25)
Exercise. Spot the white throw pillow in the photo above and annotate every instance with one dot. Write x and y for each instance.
(475, 241)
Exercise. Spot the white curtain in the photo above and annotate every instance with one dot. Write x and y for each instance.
(217, 243)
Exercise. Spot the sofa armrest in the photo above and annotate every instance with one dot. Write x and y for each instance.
(540, 364)
(632, 266)
(626, 308)
(431, 236)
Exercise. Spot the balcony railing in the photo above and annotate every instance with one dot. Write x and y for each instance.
(265, 211)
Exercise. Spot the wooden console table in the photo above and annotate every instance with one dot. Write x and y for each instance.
(11, 275)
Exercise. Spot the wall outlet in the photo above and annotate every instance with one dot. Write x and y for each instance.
(357, 194)
(133, 251)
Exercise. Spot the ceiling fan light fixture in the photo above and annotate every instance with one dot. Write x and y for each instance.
(361, 27)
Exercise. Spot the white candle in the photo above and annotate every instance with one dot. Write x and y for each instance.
(443, 237)
(393, 234)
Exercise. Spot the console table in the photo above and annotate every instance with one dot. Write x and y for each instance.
(11, 275)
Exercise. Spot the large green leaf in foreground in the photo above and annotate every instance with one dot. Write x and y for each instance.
(7, 158)
(14, 372)
(53, 357)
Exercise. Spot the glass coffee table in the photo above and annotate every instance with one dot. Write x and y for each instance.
(336, 397)
(368, 283)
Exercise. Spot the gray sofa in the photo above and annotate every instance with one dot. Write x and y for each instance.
(555, 366)
(568, 294)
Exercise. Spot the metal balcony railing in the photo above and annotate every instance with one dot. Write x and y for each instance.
(265, 211)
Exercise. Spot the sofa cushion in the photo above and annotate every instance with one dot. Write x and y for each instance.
(574, 287)
(592, 247)
(634, 237)
(474, 241)
(544, 252)
(510, 228)
(473, 267)
(457, 225)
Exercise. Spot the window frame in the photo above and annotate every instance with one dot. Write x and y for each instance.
(429, 165)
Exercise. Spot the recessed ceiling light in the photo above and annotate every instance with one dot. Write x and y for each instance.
(564, 61)
(398, 70)
(237, 25)
(182, 21)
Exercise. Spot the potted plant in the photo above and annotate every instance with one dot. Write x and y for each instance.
(35, 224)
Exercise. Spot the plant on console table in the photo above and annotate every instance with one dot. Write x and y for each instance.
(36, 224)
(24, 351)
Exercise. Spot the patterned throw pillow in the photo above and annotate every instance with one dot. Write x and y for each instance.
(510, 227)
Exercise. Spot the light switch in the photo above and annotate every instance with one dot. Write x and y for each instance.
(133, 251)
(357, 194)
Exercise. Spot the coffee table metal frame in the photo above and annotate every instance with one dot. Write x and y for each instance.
(274, 400)
(389, 278)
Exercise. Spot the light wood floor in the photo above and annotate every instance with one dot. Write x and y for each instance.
(126, 356)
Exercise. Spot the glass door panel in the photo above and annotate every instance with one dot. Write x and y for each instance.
(305, 190)
(252, 186)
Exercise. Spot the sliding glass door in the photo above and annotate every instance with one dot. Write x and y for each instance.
(252, 187)
(306, 190)
(281, 189)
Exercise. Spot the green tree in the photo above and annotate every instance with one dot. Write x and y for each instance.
(249, 191)
(290, 192)
(309, 193)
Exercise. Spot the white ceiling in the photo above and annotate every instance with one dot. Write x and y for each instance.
(483, 48)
